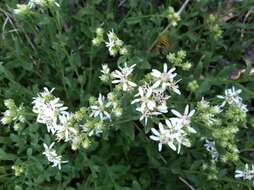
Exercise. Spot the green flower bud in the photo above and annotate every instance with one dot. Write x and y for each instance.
(17, 126)
(96, 41)
(118, 112)
(22, 10)
(193, 86)
(18, 169)
(123, 51)
(10, 104)
(99, 31)
(186, 66)
(172, 16)
(92, 100)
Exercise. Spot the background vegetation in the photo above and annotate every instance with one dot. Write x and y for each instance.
(54, 48)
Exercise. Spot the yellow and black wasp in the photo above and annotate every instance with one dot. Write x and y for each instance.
(162, 45)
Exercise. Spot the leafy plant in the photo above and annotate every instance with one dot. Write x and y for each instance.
(126, 94)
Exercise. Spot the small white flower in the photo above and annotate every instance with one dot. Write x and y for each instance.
(48, 109)
(210, 147)
(100, 108)
(185, 119)
(172, 134)
(231, 97)
(52, 156)
(22, 10)
(145, 99)
(165, 78)
(151, 102)
(174, 87)
(114, 44)
(106, 75)
(32, 4)
(93, 128)
(63, 130)
(246, 174)
(163, 136)
(179, 134)
(105, 69)
(145, 114)
(43, 3)
(122, 77)
(208, 113)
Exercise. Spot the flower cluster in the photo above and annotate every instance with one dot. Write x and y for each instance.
(26, 9)
(193, 86)
(172, 16)
(99, 37)
(18, 169)
(152, 97)
(221, 123)
(172, 134)
(115, 45)
(22, 10)
(151, 102)
(52, 156)
(176, 131)
(232, 97)
(208, 114)
(13, 113)
(43, 3)
(105, 107)
(77, 127)
(178, 60)
(49, 109)
(246, 174)
(61, 123)
(214, 27)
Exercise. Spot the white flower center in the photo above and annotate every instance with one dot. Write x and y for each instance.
(164, 138)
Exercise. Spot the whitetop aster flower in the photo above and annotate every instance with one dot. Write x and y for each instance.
(246, 174)
(115, 45)
(52, 156)
(43, 3)
(185, 118)
(32, 4)
(122, 77)
(176, 128)
(173, 135)
(151, 102)
(163, 136)
(145, 98)
(231, 97)
(21, 10)
(106, 75)
(100, 108)
(210, 147)
(145, 114)
(48, 109)
(64, 131)
(174, 87)
(165, 79)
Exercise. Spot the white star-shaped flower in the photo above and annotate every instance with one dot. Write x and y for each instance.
(164, 78)
(100, 108)
(185, 119)
(122, 77)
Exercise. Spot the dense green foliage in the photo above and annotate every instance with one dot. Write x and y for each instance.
(53, 47)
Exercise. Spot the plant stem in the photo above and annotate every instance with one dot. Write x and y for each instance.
(167, 27)
(186, 183)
